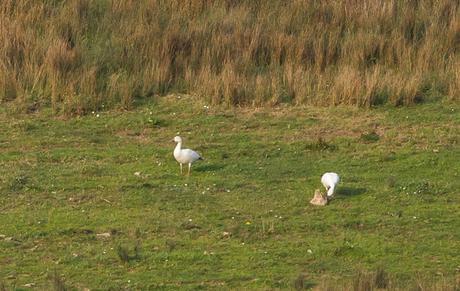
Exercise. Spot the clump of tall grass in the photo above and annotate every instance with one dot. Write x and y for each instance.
(381, 280)
(58, 282)
(78, 55)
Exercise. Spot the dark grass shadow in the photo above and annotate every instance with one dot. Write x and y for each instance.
(350, 191)
(208, 168)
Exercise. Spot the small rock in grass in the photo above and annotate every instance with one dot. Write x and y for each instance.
(319, 199)
(104, 234)
(226, 234)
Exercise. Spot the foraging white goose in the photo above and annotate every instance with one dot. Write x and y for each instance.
(330, 181)
(184, 156)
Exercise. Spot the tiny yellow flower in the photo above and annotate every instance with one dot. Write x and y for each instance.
(248, 222)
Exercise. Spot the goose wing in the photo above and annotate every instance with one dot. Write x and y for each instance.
(190, 155)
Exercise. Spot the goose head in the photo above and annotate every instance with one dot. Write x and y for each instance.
(177, 139)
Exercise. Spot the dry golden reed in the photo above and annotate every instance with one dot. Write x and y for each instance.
(77, 55)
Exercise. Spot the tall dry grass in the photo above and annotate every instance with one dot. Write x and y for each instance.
(381, 280)
(76, 55)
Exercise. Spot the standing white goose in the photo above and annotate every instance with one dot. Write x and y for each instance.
(184, 156)
(330, 181)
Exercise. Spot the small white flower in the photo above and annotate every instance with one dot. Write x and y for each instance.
(190, 220)
(97, 115)
(415, 217)
(309, 251)
(233, 217)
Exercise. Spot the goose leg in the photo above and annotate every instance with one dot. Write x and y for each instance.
(180, 168)
(189, 166)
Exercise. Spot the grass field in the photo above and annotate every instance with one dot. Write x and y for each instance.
(97, 201)
(76, 55)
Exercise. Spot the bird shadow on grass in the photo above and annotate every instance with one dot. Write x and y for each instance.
(208, 168)
(350, 191)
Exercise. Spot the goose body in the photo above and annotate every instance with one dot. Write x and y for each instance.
(184, 156)
(330, 181)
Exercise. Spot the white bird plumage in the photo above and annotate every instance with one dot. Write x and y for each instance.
(330, 181)
(184, 156)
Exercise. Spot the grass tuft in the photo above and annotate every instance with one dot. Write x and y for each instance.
(18, 182)
(370, 137)
(124, 254)
(58, 282)
(299, 282)
(320, 145)
(381, 278)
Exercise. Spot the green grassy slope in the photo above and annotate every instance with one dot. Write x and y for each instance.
(242, 219)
